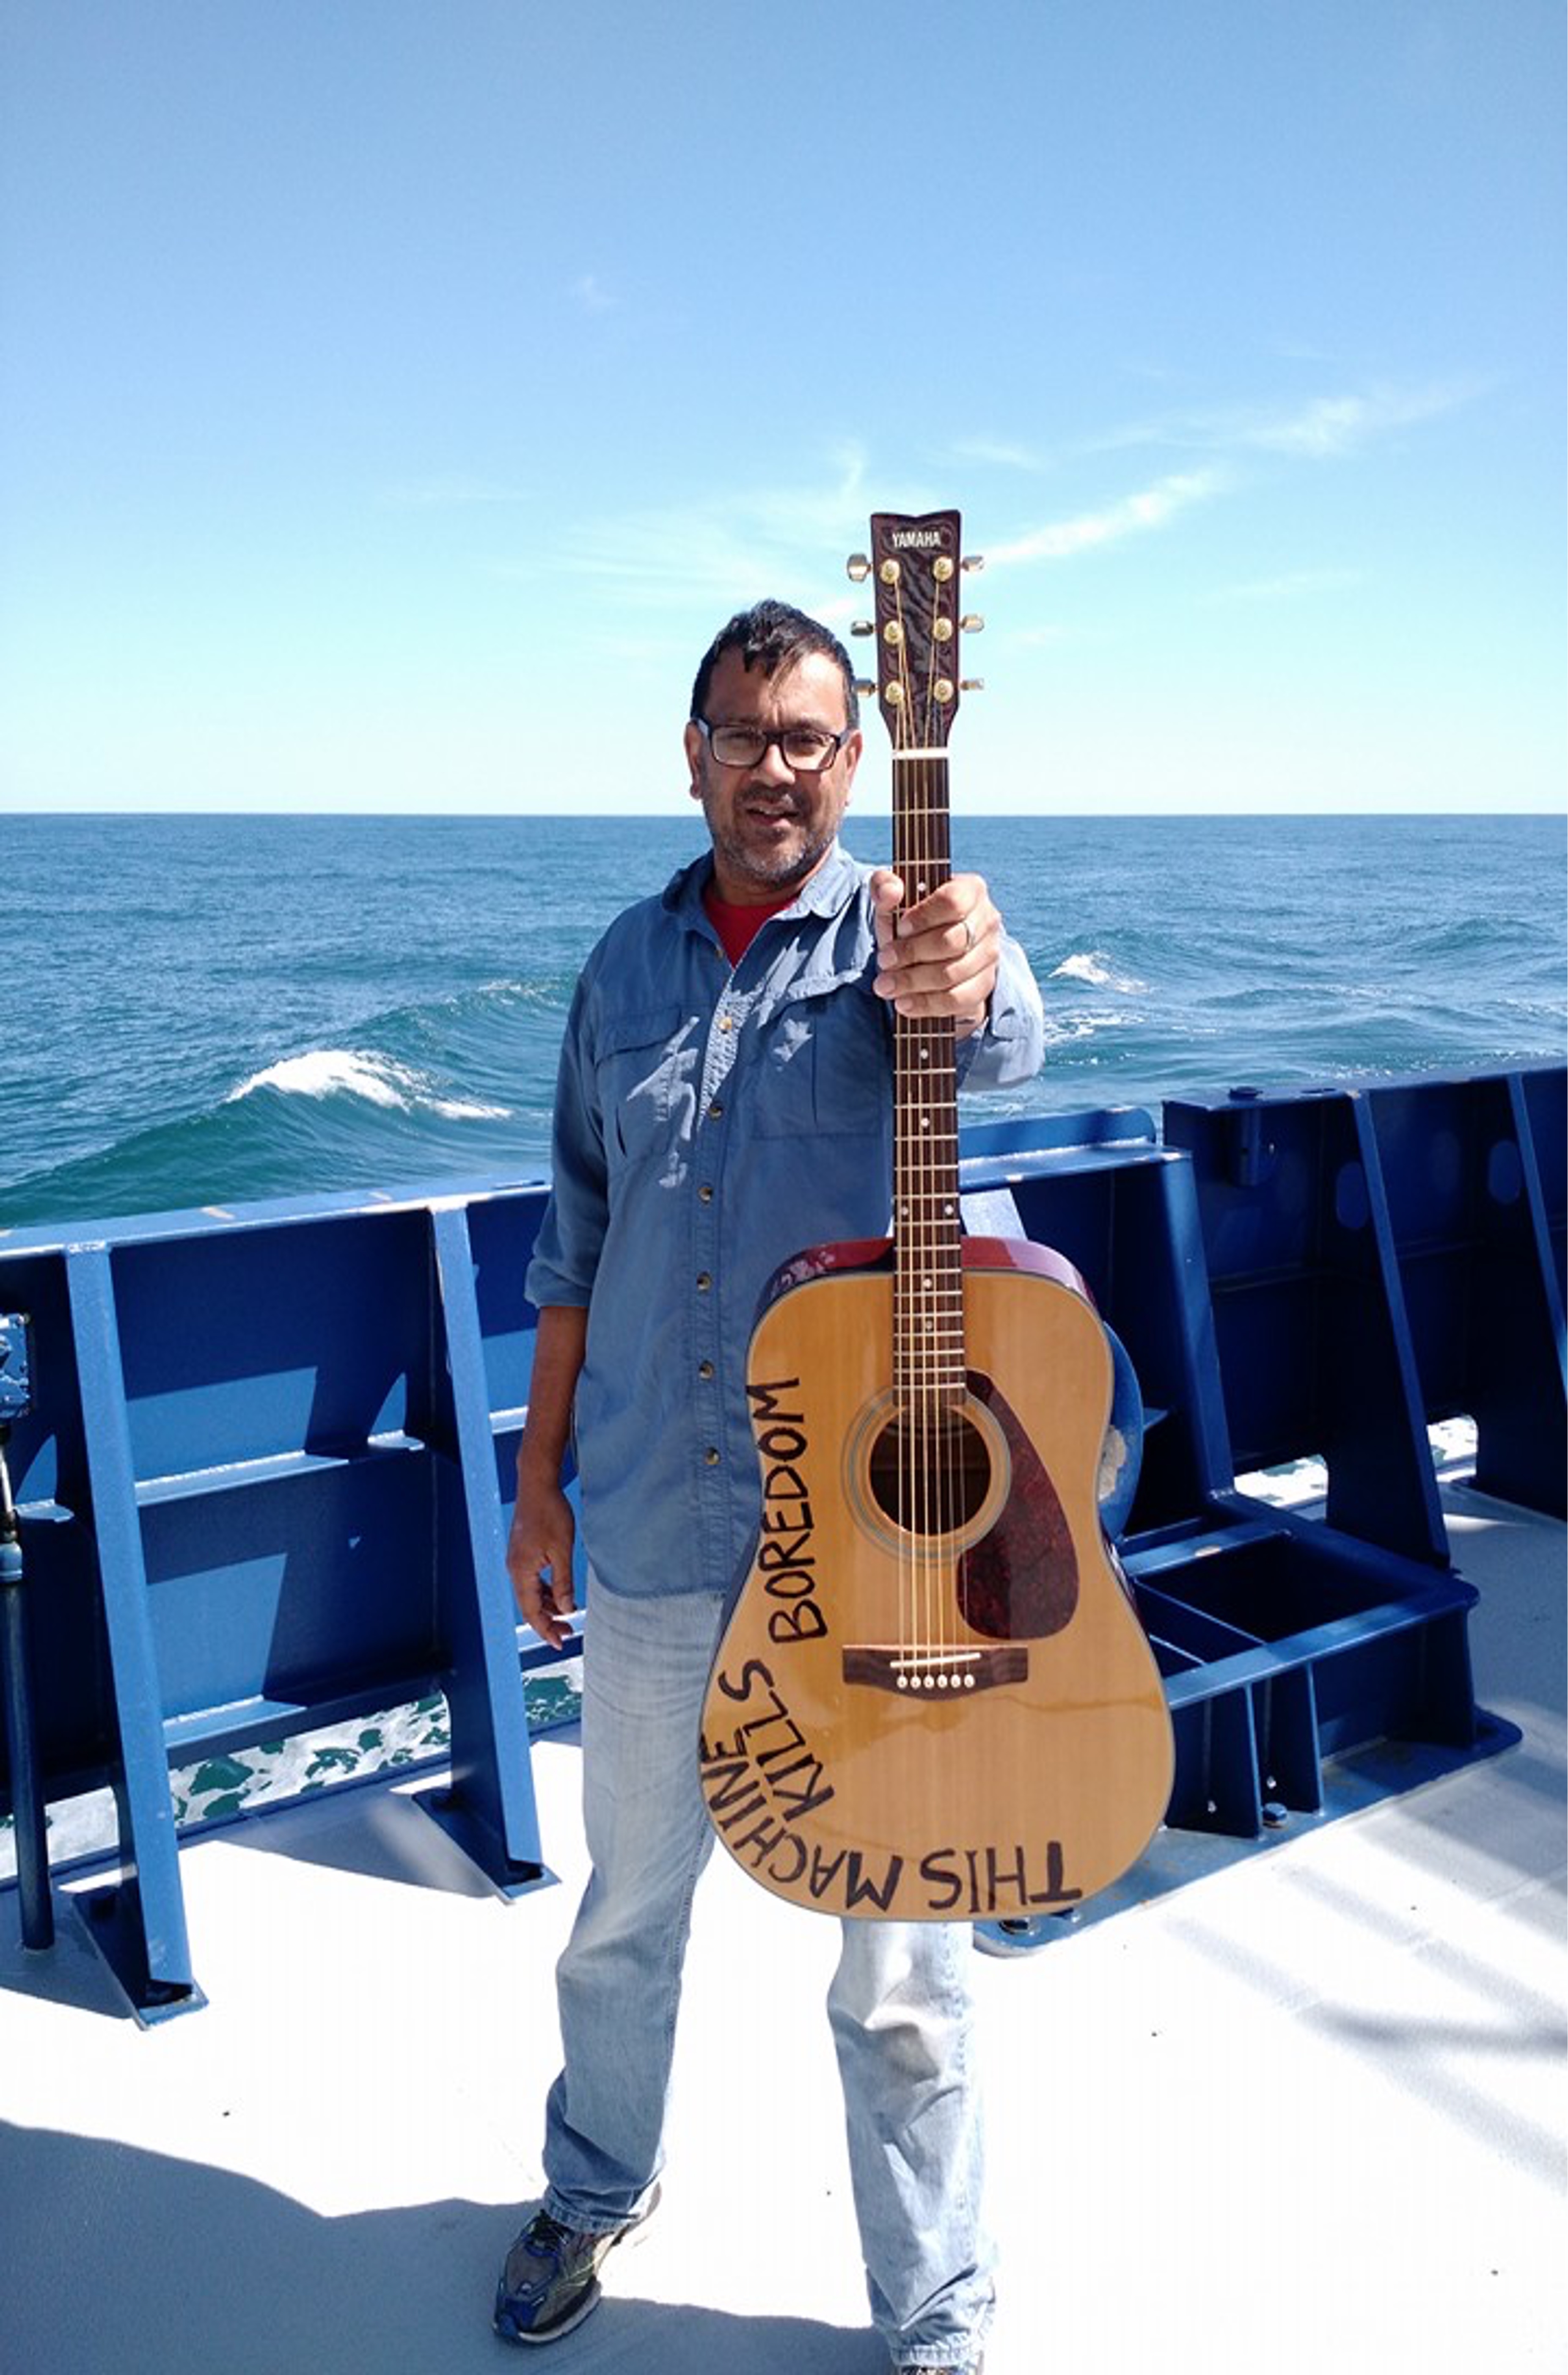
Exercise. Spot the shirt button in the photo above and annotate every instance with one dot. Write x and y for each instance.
(711, 1457)
(704, 1370)
(726, 1023)
(705, 1193)
(716, 1111)
(703, 1282)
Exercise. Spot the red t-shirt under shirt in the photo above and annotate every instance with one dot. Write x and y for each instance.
(739, 927)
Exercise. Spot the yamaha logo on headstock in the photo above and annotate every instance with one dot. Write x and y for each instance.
(912, 566)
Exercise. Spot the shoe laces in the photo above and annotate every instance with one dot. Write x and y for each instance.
(545, 2236)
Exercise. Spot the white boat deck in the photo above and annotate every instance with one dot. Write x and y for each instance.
(1304, 2114)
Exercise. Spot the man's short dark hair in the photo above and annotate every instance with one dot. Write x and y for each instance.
(772, 636)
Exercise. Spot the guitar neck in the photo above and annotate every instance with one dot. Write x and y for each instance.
(928, 1345)
(914, 568)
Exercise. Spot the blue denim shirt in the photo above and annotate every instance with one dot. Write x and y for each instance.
(708, 1125)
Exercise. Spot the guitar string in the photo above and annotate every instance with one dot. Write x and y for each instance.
(949, 1388)
(930, 1394)
(931, 1418)
(910, 1611)
(927, 1435)
(914, 1480)
(946, 1433)
(931, 1437)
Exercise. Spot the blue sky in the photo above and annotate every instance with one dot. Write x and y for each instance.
(395, 395)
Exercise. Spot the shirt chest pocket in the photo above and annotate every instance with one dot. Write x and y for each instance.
(646, 1071)
(825, 1068)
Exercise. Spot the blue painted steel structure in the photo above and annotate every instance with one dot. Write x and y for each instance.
(262, 1459)
(22, 1763)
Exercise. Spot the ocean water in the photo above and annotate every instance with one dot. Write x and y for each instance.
(204, 1010)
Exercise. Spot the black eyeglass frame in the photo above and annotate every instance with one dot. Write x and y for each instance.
(781, 735)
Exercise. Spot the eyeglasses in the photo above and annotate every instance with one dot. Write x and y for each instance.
(807, 748)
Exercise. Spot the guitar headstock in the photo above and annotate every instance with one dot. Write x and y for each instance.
(913, 566)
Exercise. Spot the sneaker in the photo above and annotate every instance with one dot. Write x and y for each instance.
(550, 2281)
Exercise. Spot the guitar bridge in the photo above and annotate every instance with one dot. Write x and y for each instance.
(935, 1672)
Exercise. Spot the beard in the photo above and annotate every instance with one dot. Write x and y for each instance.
(777, 868)
(770, 859)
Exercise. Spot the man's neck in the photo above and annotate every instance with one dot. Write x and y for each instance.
(738, 922)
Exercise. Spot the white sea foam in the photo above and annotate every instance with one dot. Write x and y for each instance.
(467, 1109)
(329, 1071)
(1091, 965)
(1082, 1026)
(377, 1080)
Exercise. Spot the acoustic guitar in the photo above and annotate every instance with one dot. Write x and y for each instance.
(933, 1699)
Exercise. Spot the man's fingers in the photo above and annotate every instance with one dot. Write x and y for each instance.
(536, 1601)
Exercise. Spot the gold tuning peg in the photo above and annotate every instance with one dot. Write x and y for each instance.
(972, 684)
(973, 560)
(865, 688)
(859, 567)
(862, 626)
(972, 623)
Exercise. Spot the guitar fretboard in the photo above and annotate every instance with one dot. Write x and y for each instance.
(928, 1346)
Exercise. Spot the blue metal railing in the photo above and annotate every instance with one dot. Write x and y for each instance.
(261, 1466)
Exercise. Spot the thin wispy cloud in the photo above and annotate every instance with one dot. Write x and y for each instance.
(1290, 586)
(593, 294)
(723, 547)
(1332, 426)
(1324, 428)
(726, 547)
(1141, 513)
(996, 452)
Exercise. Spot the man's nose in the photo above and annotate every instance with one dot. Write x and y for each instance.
(774, 765)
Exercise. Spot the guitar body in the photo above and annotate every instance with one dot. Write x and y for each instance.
(934, 1700)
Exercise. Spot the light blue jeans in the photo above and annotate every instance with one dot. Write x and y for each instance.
(899, 2006)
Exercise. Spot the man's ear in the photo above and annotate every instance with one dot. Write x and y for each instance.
(693, 742)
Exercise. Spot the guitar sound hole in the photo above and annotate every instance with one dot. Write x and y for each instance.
(930, 1472)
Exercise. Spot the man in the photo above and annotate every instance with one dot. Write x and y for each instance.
(725, 1099)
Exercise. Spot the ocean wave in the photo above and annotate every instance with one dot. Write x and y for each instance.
(379, 1080)
(1093, 968)
(1081, 1027)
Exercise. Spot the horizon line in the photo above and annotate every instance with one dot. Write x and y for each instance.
(675, 816)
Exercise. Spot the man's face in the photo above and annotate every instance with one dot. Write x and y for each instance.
(771, 826)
